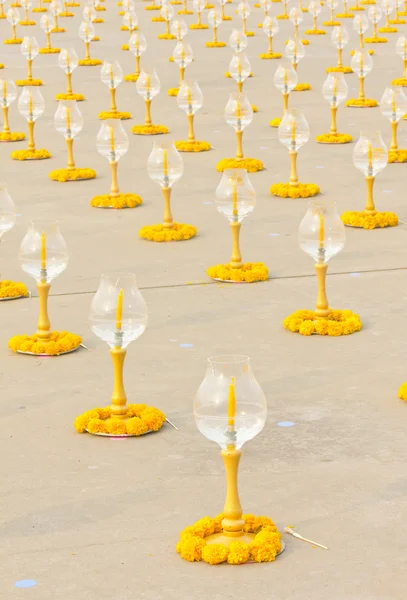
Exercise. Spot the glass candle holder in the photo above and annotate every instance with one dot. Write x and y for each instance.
(199, 6)
(370, 156)
(69, 122)
(270, 29)
(238, 114)
(86, 33)
(29, 49)
(393, 106)
(8, 211)
(31, 106)
(179, 28)
(68, 62)
(375, 14)
(296, 17)
(111, 75)
(401, 50)
(43, 251)
(190, 100)
(244, 11)
(361, 25)
(89, 14)
(183, 56)
(388, 7)
(332, 5)
(285, 80)
(165, 167)
(8, 93)
(314, 8)
(238, 40)
(340, 38)
(335, 91)
(137, 46)
(112, 143)
(240, 69)
(214, 20)
(167, 13)
(321, 235)
(13, 17)
(130, 20)
(361, 64)
(148, 86)
(294, 51)
(293, 133)
(46, 26)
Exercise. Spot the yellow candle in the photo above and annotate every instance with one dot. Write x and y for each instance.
(285, 77)
(179, 30)
(111, 73)
(148, 83)
(335, 86)
(165, 162)
(68, 64)
(29, 48)
(321, 230)
(231, 403)
(234, 197)
(239, 67)
(393, 102)
(370, 155)
(111, 138)
(238, 109)
(68, 117)
(87, 31)
(189, 96)
(5, 89)
(119, 310)
(405, 47)
(293, 130)
(43, 252)
(30, 106)
(361, 63)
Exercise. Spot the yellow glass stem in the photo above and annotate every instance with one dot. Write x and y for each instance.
(31, 144)
(270, 48)
(244, 24)
(374, 30)
(44, 325)
(148, 120)
(71, 162)
(370, 207)
(295, 66)
(322, 307)
(114, 189)
(239, 150)
(315, 22)
(404, 68)
(191, 134)
(222, 11)
(361, 41)
(69, 83)
(87, 55)
(285, 102)
(393, 145)
(232, 523)
(334, 110)
(137, 65)
(48, 34)
(199, 18)
(113, 106)
(30, 73)
(293, 174)
(13, 29)
(339, 57)
(181, 75)
(168, 220)
(167, 27)
(119, 400)
(6, 126)
(236, 259)
(361, 88)
(215, 35)
(240, 86)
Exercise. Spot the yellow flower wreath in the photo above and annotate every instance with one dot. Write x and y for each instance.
(140, 419)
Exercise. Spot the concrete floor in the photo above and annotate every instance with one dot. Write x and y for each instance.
(96, 519)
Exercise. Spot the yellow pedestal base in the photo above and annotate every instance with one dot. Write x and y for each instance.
(196, 146)
(132, 78)
(401, 81)
(338, 322)
(331, 23)
(30, 154)
(315, 32)
(397, 156)
(12, 137)
(334, 138)
(60, 342)
(156, 233)
(364, 220)
(388, 30)
(344, 16)
(270, 55)
(248, 273)
(215, 44)
(302, 190)
(114, 114)
(196, 26)
(403, 392)
(120, 201)
(344, 70)
(375, 40)
(28, 82)
(302, 87)
(28, 23)
(64, 175)
(11, 290)
(166, 36)
(149, 129)
(359, 103)
(13, 41)
(252, 165)
(49, 50)
(173, 91)
(76, 97)
(89, 62)
(139, 420)
(58, 30)
(275, 122)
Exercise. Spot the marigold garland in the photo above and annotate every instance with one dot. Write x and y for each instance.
(1, 65)
(357, 8)
(375, 40)
(157, 19)
(270, 56)
(28, 23)
(66, 14)
(315, 32)
(344, 16)
(216, 44)
(89, 62)
(41, 10)
(121, 201)
(275, 122)
(12, 137)
(132, 78)
(397, 156)
(185, 12)
(149, 129)
(302, 190)
(302, 87)
(344, 70)
(99, 20)
(63, 175)
(331, 23)
(28, 82)
(366, 221)
(252, 165)
(359, 103)
(196, 26)
(173, 91)
(30, 154)
(334, 138)
(12, 289)
(283, 17)
(339, 322)
(166, 36)
(114, 114)
(248, 272)
(397, 21)
(226, 18)
(403, 392)
(140, 419)
(401, 81)
(186, 146)
(153, 7)
(125, 47)
(58, 30)
(59, 342)
(49, 50)
(77, 97)
(157, 233)
(13, 41)
(388, 30)
(266, 544)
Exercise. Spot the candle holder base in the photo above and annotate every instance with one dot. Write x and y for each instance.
(49, 50)
(356, 8)
(28, 23)
(195, 146)
(132, 78)
(12, 137)
(334, 138)
(76, 97)
(40, 10)
(139, 420)
(179, 233)
(30, 154)
(252, 165)
(153, 7)
(397, 156)
(118, 202)
(275, 122)
(156, 19)
(173, 91)
(402, 393)
(345, 15)
(302, 190)
(215, 44)
(302, 87)
(114, 114)
(11, 290)
(344, 70)
(58, 30)
(89, 62)
(270, 55)
(197, 26)
(66, 14)
(149, 129)
(376, 40)
(166, 36)
(315, 32)
(11, 41)
(337, 323)
(28, 82)
(331, 23)
(388, 30)
(248, 273)
(363, 220)
(185, 12)
(59, 343)
(359, 103)
(64, 175)
(401, 81)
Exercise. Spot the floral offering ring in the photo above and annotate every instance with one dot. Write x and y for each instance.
(49, 50)
(401, 81)
(28, 23)
(275, 122)
(338, 322)
(157, 19)
(397, 21)
(60, 342)
(369, 221)
(132, 78)
(30, 154)
(264, 546)
(66, 14)
(197, 26)
(13, 41)
(153, 7)
(344, 16)
(185, 12)
(315, 32)
(186, 146)
(114, 114)
(248, 273)
(376, 40)
(149, 129)
(12, 137)
(334, 138)
(402, 393)
(117, 202)
(388, 30)
(357, 8)
(89, 62)
(179, 232)
(139, 420)
(58, 30)
(11, 290)
(252, 165)
(344, 70)
(173, 91)
(397, 156)
(302, 190)
(270, 56)
(99, 20)
(359, 103)
(64, 175)
(216, 44)
(40, 10)
(76, 97)
(283, 17)
(331, 23)
(166, 36)
(302, 87)
(28, 82)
